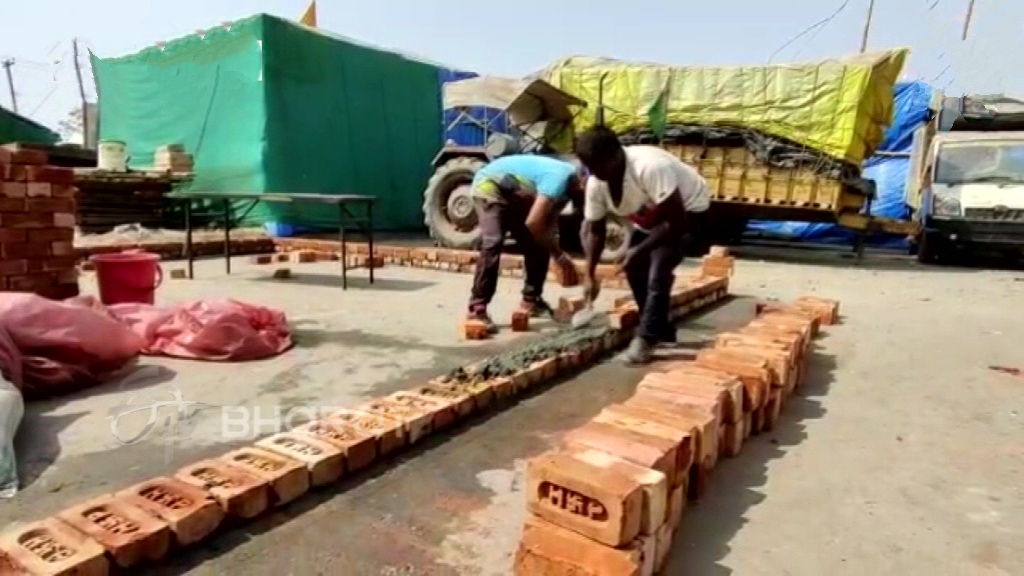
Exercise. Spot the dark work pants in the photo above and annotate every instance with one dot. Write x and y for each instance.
(651, 277)
(497, 219)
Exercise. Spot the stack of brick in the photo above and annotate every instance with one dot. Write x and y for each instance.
(37, 225)
(609, 500)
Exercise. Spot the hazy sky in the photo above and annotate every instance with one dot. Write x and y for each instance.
(519, 37)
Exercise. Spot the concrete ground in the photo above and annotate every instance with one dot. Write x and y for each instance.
(902, 456)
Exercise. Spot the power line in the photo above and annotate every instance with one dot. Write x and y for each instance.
(43, 101)
(809, 29)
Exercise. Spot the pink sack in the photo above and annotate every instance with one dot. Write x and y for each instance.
(61, 346)
(208, 330)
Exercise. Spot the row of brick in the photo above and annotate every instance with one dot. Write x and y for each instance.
(37, 225)
(144, 523)
(609, 500)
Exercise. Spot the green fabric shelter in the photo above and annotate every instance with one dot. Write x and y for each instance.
(268, 105)
(17, 128)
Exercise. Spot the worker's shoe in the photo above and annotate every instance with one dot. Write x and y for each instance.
(638, 353)
(669, 337)
(480, 314)
(537, 308)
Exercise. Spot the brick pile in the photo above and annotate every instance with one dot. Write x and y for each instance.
(445, 259)
(142, 524)
(610, 499)
(37, 225)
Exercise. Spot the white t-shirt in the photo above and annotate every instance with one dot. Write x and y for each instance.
(652, 175)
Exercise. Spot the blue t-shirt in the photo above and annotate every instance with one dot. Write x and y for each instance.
(541, 175)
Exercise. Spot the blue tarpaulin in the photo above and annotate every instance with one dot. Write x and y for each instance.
(890, 172)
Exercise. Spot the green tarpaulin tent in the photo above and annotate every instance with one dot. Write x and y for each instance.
(17, 128)
(267, 105)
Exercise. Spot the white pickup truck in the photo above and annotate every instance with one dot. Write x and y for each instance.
(973, 183)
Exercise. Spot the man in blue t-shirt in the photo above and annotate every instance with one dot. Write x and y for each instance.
(522, 195)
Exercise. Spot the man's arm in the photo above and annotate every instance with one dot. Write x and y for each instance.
(670, 215)
(541, 224)
(594, 229)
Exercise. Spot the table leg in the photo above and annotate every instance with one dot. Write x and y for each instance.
(344, 246)
(188, 236)
(369, 234)
(227, 236)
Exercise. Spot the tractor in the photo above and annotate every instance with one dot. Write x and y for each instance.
(535, 118)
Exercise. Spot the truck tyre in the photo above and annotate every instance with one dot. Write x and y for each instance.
(617, 239)
(448, 204)
(930, 249)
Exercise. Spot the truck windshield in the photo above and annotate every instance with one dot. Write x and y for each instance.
(980, 162)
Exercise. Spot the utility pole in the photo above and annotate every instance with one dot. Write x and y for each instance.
(967, 18)
(81, 92)
(10, 83)
(867, 27)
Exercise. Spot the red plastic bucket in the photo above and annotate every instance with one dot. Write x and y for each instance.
(127, 277)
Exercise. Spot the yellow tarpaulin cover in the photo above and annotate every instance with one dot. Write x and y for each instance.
(309, 17)
(840, 107)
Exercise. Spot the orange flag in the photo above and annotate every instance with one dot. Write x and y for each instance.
(309, 18)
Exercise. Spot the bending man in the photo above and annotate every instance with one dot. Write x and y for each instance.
(665, 199)
(521, 195)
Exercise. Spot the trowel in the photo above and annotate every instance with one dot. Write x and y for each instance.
(585, 316)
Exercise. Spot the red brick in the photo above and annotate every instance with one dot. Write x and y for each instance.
(654, 484)
(13, 205)
(598, 502)
(753, 371)
(50, 174)
(473, 329)
(718, 251)
(416, 416)
(663, 548)
(25, 220)
(733, 402)
(65, 205)
(13, 190)
(388, 432)
(25, 250)
(30, 282)
(676, 506)
(777, 357)
(127, 533)
(460, 403)
(520, 321)
(682, 440)
(38, 190)
(624, 319)
(239, 493)
(548, 550)
(69, 220)
(63, 191)
(686, 392)
(190, 512)
(826, 310)
(731, 439)
(13, 172)
(262, 259)
(58, 263)
(705, 445)
(287, 479)
(326, 464)
(359, 450)
(50, 547)
(22, 155)
(63, 249)
(640, 448)
(13, 267)
(51, 234)
(14, 235)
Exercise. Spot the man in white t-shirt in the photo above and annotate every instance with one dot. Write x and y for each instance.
(665, 199)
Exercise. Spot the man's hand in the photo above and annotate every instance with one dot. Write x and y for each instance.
(627, 259)
(570, 276)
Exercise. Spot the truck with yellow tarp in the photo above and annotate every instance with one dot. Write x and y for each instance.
(780, 142)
